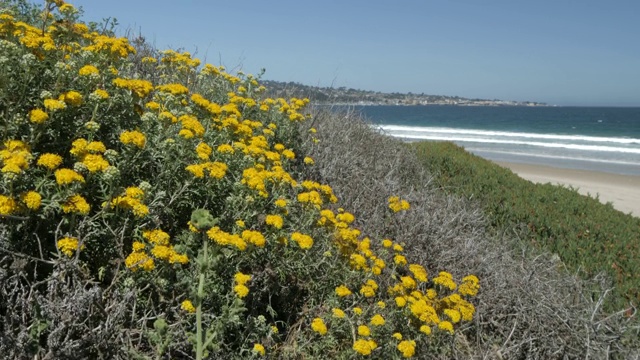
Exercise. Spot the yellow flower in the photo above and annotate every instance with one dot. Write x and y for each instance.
(258, 349)
(32, 200)
(188, 306)
(367, 291)
(174, 89)
(7, 205)
(387, 243)
(319, 326)
(377, 320)
(400, 301)
(343, 291)
(396, 204)
(72, 98)
(225, 149)
(240, 224)
(68, 245)
(241, 290)
(419, 272)
(139, 259)
(140, 88)
(88, 70)
(76, 204)
(95, 147)
(241, 279)
(357, 310)
(363, 330)
(54, 105)
(338, 313)
(445, 279)
(157, 236)
(101, 94)
(37, 116)
(204, 151)
(452, 314)
(138, 246)
(425, 329)
(308, 160)
(217, 170)
(397, 336)
(49, 161)
(133, 137)
(446, 326)
(275, 221)
(364, 347)
(95, 162)
(399, 260)
(407, 348)
(304, 241)
(254, 237)
(281, 203)
(469, 286)
(381, 304)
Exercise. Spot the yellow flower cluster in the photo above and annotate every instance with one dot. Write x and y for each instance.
(407, 348)
(216, 170)
(187, 306)
(7, 205)
(223, 238)
(49, 161)
(38, 116)
(364, 346)
(134, 137)
(15, 156)
(132, 199)
(67, 176)
(173, 89)
(304, 241)
(396, 204)
(68, 245)
(114, 47)
(319, 326)
(32, 200)
(141, 88)
(240, 287)
(161, 250)
(90, 154)
(76, 204)
(275, 221)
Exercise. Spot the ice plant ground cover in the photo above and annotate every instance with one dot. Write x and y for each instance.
(177, 208)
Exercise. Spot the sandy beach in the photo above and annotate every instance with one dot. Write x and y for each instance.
(621, 190)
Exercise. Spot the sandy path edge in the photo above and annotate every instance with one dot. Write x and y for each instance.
(623, 191)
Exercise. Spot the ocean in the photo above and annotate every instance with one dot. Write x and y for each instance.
(590, 138)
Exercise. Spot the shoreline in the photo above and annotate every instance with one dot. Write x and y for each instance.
(623, 191)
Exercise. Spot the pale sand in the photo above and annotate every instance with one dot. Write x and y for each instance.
(623, 191)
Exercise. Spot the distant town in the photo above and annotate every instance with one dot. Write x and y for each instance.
(346, 96)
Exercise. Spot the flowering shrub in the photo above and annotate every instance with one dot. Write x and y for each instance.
(186, 185)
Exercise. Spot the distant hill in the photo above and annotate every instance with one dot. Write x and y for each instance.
(343, 95)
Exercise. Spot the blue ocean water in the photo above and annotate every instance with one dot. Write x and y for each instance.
(591, 138)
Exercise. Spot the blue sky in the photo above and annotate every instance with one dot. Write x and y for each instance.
(564, 52)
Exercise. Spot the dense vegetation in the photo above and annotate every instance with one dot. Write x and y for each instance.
(153, 207)
(587, 235)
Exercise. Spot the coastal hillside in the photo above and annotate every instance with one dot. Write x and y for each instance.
(154, 207)
(348, 96)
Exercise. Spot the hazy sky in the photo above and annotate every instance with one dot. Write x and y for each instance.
(565, 52)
